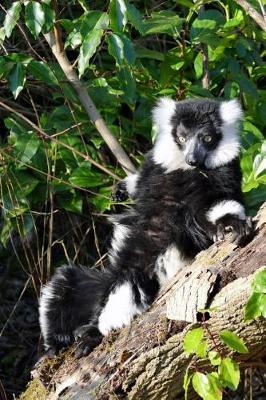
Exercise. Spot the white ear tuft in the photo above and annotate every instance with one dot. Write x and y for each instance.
(163, 112)
(231, 111)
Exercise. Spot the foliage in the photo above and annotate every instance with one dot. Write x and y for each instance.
(127, 55)
(256, 305)
(225, 371)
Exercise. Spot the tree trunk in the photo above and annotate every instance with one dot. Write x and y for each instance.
(146, 360)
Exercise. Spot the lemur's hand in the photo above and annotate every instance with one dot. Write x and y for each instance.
(241, 229)
(120, 193)
(87, 337)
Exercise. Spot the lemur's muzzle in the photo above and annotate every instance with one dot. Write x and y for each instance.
(196, 154)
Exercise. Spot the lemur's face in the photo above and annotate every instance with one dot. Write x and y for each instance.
(193, 133)
(197, 131)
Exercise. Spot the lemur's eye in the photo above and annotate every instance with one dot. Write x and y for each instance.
(207, 138)
(181, 139)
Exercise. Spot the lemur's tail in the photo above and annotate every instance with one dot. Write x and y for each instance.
(69, 301)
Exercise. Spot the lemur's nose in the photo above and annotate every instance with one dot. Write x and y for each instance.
(191, 160)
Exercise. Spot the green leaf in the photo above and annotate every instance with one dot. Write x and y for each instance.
(93, 20)
(71, 202)
(16, 79)
(142, 52)
(252, 308)
(34, 17)
(204, 27)
(11, 18)
(207, 386)
(134, 17)
(42, 72)
(26, 146)
(162, 22)
(214, 357)
(88, 48)
(118, 15)
(192, 340)
(233, 341)
(198, 65)
(116, 48)
(121, 48)
(83, 177)
(186, 381)
(49, 17)
(128, 84)
(229, 373)
(259, 283)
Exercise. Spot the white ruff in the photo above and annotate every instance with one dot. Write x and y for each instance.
(165, 151)
(229, 146)
(226, 207)
(168, 264)
(231, 111)
(119, 309)
(131, 183)
(47, 294)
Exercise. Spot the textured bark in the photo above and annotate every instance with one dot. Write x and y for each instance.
(146, 360)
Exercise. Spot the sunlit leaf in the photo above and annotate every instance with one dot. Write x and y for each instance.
(16, 79)
(11, 18)
(88, 49)
(118, 15)
(229, 373)
(233, 341)
(207, 386)
(34, 17)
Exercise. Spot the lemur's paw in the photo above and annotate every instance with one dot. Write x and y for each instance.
(86, 345)
(241, 229)
(120, 193)
(86, 337)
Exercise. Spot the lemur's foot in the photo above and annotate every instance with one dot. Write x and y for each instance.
(241, 229)
(120, 192)
(87, 337)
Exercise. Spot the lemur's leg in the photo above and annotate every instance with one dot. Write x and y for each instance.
(126, 188)
(229, 216)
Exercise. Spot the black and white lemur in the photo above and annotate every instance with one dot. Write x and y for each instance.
(186, 196)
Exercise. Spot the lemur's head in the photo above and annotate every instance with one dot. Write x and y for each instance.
(196, 133)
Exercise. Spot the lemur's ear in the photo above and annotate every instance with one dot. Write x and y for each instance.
(231, 111)
(163, 112)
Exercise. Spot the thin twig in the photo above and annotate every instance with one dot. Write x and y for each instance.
(44, 135)
(54, 40)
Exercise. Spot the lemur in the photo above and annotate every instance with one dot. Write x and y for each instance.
(187, 194)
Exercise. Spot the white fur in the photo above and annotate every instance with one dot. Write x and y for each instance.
(226, 207)
(131, 183)
(229, 146)
(120, 234)
(47, 293)
(165, 151)
(168, 263)
(231, 111)
(119, 309)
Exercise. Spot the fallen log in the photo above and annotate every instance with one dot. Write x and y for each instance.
(146, 360)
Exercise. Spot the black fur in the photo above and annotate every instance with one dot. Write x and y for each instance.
(170, 208)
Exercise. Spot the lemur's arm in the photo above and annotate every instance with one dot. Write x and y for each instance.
(228, 216)
(126, 188)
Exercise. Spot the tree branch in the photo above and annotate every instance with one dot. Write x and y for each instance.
(252, 13)
(54, 40)
(146, 360)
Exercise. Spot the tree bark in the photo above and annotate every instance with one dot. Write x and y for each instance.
(146, 360)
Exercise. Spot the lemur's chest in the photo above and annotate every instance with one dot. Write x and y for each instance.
(176, 189)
